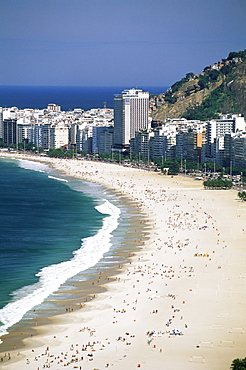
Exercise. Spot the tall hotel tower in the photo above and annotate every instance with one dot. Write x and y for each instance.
(131, 110)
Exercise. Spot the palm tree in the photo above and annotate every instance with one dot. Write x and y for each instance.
(242, 195)
(238, 364)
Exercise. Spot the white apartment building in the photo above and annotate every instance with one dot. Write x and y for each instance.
(131, 111)
(84, 138)
(35, 135)
(53, 107)
(59, 135)
(164, 143)
(217, 128)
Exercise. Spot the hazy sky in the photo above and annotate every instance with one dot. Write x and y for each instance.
(115, 42)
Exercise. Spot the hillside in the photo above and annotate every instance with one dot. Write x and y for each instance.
(220, 88)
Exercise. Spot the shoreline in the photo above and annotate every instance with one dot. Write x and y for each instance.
(178, 303)
(85, 287)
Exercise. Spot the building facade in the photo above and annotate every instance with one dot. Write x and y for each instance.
(10, 131)
(227, 124)
(1, 124)
(59, 135)
(131, 114)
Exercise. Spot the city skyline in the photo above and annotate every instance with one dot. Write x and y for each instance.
(114, 42)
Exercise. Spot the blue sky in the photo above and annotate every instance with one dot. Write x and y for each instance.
(115, 42)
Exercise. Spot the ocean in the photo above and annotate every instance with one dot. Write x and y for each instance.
(68, 97)
(52, 230)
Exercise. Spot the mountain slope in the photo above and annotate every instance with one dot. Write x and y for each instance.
(220, 88)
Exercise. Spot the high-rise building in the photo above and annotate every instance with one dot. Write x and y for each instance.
(84, 138)
(131, 111)
(59, 134)
(225, 125)
(1, 124)
(10, 131)
(102, 139)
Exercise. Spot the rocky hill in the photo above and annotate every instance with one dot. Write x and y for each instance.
(219, 89)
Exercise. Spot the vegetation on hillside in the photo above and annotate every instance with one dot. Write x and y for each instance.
(219, 89)
(212, 106)
(169, 95)
(220, 98)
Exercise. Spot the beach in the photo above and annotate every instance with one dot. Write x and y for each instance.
(178, 302)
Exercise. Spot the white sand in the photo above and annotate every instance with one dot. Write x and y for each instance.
(190, 277)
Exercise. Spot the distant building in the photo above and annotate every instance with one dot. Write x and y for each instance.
(227, 161)
(153, 144)
(140, 144)
(218, 150)
(239, 151)
(24, 132)
(227, 124)
(84, 138)
(45, 136)
(10, 133)
(163, 144)
(195, 141)
(53, 108)
(131, 111)
(102, 139)
(35, 135)
(1, 124)
(59, 135)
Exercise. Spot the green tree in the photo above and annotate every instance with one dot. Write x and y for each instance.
(104, 156)
(203, 81)
(225, 70)
(218, 184)
(238, 364)
(173, 168)
(242, 195)
(189, 75)
(170, 98)
(232, 54)
(60, 153)
(214, 74)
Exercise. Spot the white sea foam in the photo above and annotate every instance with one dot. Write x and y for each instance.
(57, 178)
(39, 167)
(53, 276)
(33, 165)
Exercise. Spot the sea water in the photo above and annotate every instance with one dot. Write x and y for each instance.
(68, 97)
(52, 227)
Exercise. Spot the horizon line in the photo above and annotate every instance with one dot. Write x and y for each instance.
(139, 86)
